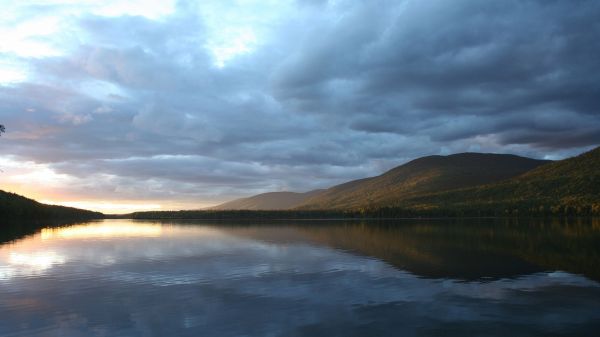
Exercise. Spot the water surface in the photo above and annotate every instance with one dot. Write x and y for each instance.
(403, 278)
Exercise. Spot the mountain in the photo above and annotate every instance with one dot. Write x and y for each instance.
(467, 184)
(569, 186)
(268, 201)
(422, 176)
(16, 207)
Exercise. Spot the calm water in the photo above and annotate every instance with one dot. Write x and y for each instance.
(126, 278)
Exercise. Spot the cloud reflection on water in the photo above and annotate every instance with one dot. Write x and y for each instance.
(224, 281)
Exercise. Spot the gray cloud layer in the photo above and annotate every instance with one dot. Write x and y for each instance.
(336, 91)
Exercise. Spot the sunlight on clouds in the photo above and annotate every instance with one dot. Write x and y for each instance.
(48, 33)
(40, 175)
(152, 9)
(238, 28)
(10, 75)
(173, 104)
(27, 38)
(233, 43)
(31, 179)
(233, 32)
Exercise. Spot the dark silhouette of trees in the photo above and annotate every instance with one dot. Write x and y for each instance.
(495, 210)
(14, 206)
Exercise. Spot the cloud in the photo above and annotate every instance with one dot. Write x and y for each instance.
(309, 93)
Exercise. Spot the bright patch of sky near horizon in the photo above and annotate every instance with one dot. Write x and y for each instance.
(136, 105)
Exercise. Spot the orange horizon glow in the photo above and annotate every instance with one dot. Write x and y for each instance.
(41, 183)
(104, 206)
(126, 206)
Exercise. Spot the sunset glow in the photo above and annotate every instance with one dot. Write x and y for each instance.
(140, 105)
(109, 207)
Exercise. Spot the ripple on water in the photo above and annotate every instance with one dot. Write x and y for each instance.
(230, 281)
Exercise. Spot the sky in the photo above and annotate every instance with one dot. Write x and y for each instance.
(119, 106)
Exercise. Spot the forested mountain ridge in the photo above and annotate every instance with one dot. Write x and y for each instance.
(420, 177)
(570, 186)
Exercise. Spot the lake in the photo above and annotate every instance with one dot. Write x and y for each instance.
(495, 277)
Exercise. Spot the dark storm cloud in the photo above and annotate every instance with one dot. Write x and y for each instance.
(339, 90)
(433, 62)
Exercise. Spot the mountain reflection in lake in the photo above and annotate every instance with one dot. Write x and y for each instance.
(135, 278)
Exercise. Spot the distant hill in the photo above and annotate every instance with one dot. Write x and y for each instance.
(422, 176)
(569, 186)
(268, 201)
(466, 184)
(14, 206)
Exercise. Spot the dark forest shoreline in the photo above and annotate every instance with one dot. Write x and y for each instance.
(375, 214)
